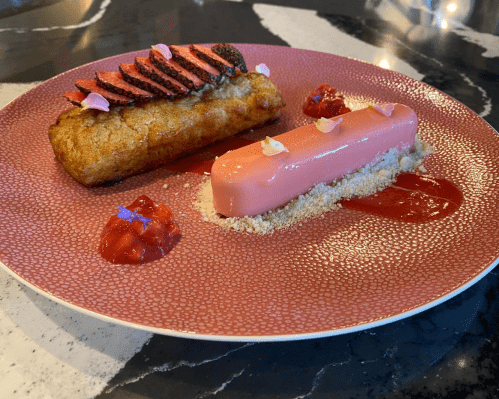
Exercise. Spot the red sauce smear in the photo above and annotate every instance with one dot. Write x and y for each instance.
(134, 242)
(325, 102)
(202, 161)
(411, 198)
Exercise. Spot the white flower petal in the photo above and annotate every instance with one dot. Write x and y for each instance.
(272, 147)
(327, 125)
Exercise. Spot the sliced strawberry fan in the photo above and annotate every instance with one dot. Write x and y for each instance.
(156, 77)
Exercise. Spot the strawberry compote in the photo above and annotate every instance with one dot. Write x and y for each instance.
(325, 102)
(141, 232)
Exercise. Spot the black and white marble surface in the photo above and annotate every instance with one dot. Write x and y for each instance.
(450, 351)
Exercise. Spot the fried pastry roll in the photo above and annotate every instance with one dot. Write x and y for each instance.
(99, 147)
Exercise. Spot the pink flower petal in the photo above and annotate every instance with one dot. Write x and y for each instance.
(263, 69)
(95, 101)
(163, 49)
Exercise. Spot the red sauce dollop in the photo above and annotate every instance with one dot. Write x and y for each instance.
(411, 198)
(134, 243)
(325, 102)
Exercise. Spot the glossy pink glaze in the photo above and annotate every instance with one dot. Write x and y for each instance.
(247, 182)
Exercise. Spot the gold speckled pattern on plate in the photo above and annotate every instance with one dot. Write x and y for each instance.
(344, 272)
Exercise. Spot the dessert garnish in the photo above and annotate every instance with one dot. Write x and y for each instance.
(190, 61)
(169, 72)
(212, 58)
(88, 86)
(385, 109)
(325, 102)
(147, 68)
(231, 54)
(130, 216)
(263, 69)
(114, 82)
(327, 125)
(95, 101)
(272, 147)
(163, 49)
(137, 76)
(139, 233)
(174, 69)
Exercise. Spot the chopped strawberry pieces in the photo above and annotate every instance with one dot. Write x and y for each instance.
(325, 102)
(147, 236)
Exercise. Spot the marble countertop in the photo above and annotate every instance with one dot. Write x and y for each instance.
(50, 351)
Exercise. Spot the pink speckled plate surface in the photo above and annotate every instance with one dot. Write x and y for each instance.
(344, 272)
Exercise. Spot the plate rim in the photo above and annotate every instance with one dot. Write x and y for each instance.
(255, 338)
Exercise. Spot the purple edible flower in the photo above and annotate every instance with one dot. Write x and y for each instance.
(130, 216)
(316, 98)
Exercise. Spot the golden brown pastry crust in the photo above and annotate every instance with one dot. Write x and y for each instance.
(98, 147)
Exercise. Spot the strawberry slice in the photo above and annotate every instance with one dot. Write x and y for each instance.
(197, 66)
(146, 68)
(173, 69)
(114, 82)
(212, 58)
(133, 76)
(231, 54)
(75, 97)
(90, 86)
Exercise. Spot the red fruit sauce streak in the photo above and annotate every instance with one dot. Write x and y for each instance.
(325, 102)
(411, 198)
(123, 242)
(202, 161)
